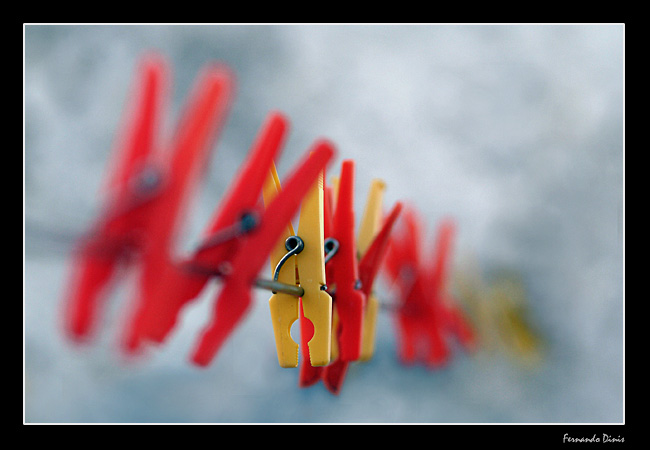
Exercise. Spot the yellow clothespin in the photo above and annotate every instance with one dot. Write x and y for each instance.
(307, 269)
(508, 295)
(370, 225)
(472, 292)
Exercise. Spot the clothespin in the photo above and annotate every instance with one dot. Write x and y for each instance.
(521, 340)
(196, 131)
(128, 191)
(368, 269)
(237, 215)
(427, 314)
(307, 269)
(419, 325)
(235, 295)
(474, 294)
(349, 300)
(454, 319)
(146, 191)
(370, 224)
(309, 374)
(334, 374)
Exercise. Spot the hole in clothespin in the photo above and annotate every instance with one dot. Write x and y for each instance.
(296, 330)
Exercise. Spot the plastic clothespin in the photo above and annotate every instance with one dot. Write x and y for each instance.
(235, 296)
(453, 318)
(369, 266)
(128, 197)
(349, 300)
(307, 270)
(198, 128)
(146, 189)
(419, 324)
(309, 374)
(238, 212)
(334, 374)
(370, 224)
(427, 316)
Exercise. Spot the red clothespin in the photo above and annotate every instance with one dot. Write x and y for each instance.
(419, 325)
(334, 374)
(237, 215)
(147, 190)
(128, 192)
(426, 316)
(235, 296)
(349, 299)
(453, 318)
(190, 147)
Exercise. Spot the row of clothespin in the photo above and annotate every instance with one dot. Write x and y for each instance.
(323, 275)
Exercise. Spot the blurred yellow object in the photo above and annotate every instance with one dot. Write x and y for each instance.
(499, 313)
(508, 297)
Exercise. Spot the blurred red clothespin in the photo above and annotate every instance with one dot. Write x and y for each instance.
(238, 214)
(146, 191)
(453, 318)
(235, 296)
(425, 316)
(334, 374)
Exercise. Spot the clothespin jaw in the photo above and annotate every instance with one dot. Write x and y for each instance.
(198, 128)
(307, 374)
(235, 296)
(236, 215)
(349, 300)
(129, 189)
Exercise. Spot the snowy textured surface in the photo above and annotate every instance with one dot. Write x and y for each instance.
(517, 132)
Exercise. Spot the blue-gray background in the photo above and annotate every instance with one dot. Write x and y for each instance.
(516, 131)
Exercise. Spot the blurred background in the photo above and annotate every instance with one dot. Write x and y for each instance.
(514, 131)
